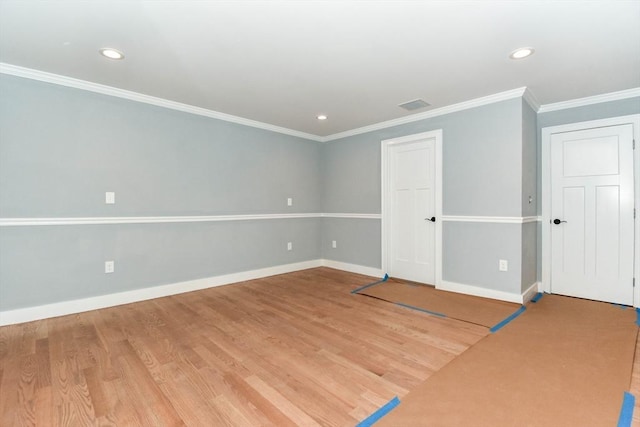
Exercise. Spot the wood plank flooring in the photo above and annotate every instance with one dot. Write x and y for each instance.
(289, 350)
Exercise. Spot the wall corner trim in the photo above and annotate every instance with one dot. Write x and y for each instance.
(589, 100)
(531, 99)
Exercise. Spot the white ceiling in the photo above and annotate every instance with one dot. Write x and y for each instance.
(284, 62)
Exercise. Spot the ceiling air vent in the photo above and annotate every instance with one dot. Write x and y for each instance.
(416, 104)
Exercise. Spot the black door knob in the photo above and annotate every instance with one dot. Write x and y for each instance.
(433, 219)
(557, 221)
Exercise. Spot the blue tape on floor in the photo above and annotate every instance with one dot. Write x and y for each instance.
(537, 297)
(435, 313)
(626, 412)
(384, 279)
(502, 324)
(375, 417)
(638, 316)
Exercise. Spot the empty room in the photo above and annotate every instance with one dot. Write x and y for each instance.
(319, 213)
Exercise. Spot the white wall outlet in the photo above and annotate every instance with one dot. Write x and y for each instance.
(110, 198)
(289, 201)
(289, 246)
(503, 265)
(334, 244)
(109, 266)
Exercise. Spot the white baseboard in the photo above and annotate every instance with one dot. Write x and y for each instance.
(63, 308)
(484, 292)
(353, 268)
(530, 292)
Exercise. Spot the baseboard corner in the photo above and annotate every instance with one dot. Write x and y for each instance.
(353, 268)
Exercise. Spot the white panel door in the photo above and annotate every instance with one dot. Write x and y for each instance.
(412, 185)
(592, 224)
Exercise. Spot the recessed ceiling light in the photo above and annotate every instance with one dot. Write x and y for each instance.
(321, 117)
(522, 52)
(111, 53)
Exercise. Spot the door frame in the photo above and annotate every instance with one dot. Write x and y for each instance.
(547, 133)
(387, 145)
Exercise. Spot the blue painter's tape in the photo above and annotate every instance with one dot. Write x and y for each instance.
(626, 412)
(502, 324)
(435, 313)
(361, 288)
(537, 297)
(638, 316)
(381, 412)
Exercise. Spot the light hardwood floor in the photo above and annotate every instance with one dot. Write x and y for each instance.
(295, 349)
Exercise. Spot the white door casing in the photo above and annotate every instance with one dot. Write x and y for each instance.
(411, 198)
(588, 181)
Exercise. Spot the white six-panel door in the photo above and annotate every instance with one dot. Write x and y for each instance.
(592, 214)
(413, 211)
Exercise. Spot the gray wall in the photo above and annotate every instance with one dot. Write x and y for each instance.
(358, 241)
(482, 176)
(482, 163)
(46, 264)
(529, 190)
(62, 148)
(471, 251)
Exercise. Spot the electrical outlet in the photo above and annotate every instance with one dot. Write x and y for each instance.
(289, 201)
(334, 244)
(289, 246)
(110, 198)
(109, 266)
(503, 265)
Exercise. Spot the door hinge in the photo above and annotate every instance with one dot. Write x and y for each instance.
(634, 144)
(634, 282)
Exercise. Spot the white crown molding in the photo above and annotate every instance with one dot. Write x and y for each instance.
(42, 76)
(580, 102)
(531, 100)
(477, 102)
(523, 92)
(492, 219)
